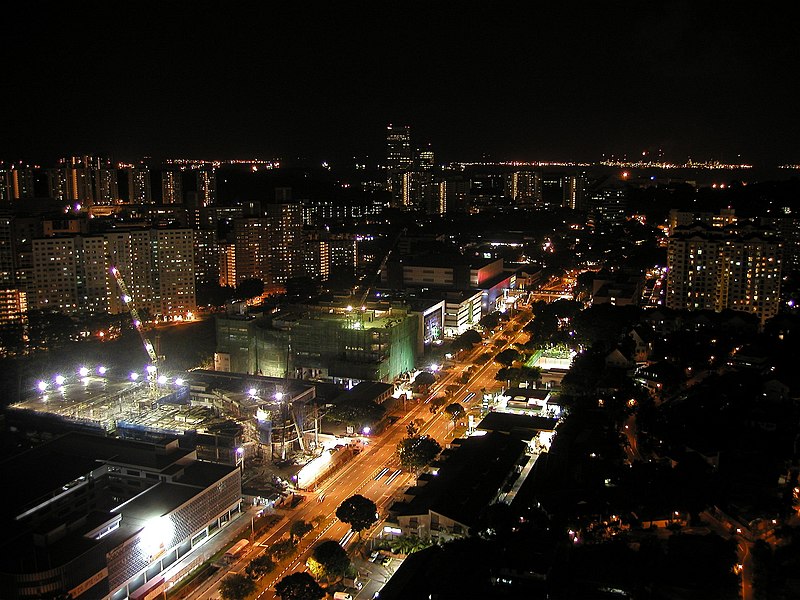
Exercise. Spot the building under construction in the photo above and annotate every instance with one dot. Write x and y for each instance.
(377, 342)
(223, 415)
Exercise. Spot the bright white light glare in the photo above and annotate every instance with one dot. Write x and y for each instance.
(60, 380)
(434, 367)
(178, 381)
(102, 370)
(240, 451)
(278, 395)
(134, 376)
(126, 299)
(83, 371)
(252, 391)
(366, 430)
(42, 385)
(162, 379)
(151, 369)
(156, 537)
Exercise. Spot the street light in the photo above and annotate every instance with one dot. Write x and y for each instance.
(60, 379)
(42, 385)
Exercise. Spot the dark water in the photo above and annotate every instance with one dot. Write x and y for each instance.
(183, 346)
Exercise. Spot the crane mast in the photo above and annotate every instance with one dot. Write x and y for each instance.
(137, 321)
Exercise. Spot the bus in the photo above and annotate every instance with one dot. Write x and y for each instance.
(236, 550)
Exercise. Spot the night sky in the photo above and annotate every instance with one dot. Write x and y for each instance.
(525, 80)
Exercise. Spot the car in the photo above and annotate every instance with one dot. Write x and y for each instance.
(386, 560)
(373, 554)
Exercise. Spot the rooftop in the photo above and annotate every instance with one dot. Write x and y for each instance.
(469, 479)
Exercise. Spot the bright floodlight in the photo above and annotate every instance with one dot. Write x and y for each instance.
(162, 379)
(42, 385)
(279, 396)
(252, 391)
(134, 376)
(366, 430)
(240, 451)
(83, 371)
(102, 370)
(434, 367)
(178, 381)
(60, 380)
(151, 369)
(156, 537)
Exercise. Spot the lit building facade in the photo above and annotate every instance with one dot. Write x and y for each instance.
(71, 274)
(736, 268)
(117, 518)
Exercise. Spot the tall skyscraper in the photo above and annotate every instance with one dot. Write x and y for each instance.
(398, 147)
(716, 268)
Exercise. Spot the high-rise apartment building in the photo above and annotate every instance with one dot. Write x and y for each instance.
(252, 249)
(206, 182)
(525, 188)
(139, 191)
(16, 183)
(736, 268)
(71, 274)
(105, 188)
(286, 229)
(454, 195)
(206, 256)
(171, 187)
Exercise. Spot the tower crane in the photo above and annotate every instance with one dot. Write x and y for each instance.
(137, 323)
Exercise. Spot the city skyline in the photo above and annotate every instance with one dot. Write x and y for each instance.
(323, 82)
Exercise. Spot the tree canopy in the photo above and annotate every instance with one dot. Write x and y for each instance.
(416, 452)
(260, 566)
(329, 561)
(467, 340)
(299, 528)
(508, 357)
(236, 587)
(358, 512)
(299, 586)
(357, 413)
(249, 288)
(455, 410)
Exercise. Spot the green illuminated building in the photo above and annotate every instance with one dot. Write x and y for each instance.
(378, 343)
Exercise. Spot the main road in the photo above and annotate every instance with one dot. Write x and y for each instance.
(374, 473)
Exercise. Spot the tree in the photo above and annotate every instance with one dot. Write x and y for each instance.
(508, 357)
(260, 566)
(237, 587)
(357, 413)
(455, 410)
(358, 512)
(299, 586)
(417, 452)
(329, 561)
(424, 379)
(249, 288)
(437, 403)
(299, 528)
(466, 340)
(282, 548)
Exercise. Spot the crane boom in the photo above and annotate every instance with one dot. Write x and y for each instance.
(137, 321)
